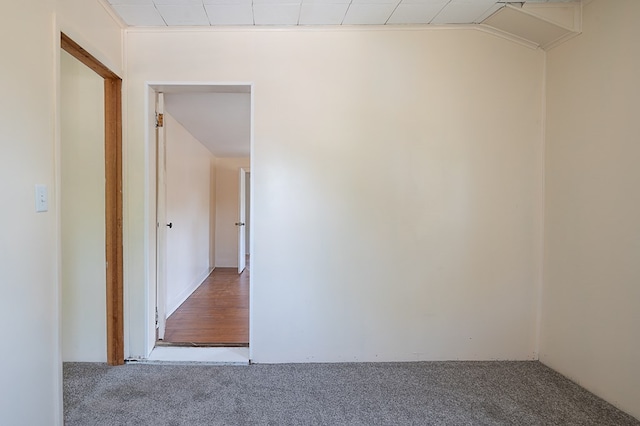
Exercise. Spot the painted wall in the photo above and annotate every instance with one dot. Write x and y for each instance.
(28, 245)
(591, 311)
(188, 209)
(397, 188)
(29, 268)
(82, 205)
(227, 189)
(92, 25)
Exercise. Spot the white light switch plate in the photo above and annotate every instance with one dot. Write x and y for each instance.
(42, 200)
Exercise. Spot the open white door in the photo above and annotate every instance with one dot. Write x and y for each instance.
(161, 229)
(242, 249)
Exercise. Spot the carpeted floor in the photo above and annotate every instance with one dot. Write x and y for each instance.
(425, 393)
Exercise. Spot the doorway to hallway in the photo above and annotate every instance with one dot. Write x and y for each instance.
(201, 299)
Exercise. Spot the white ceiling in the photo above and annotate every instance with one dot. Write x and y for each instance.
(220, 121)
(220, 116)
(306, 12)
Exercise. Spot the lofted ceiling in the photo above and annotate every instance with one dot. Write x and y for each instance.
(170, 13)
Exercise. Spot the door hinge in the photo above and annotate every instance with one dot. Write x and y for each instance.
(159, 120)
(156, 316)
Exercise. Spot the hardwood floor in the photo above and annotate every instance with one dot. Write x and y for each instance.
(216, 314)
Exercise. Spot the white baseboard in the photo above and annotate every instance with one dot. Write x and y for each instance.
(174, 304)
(172, 354)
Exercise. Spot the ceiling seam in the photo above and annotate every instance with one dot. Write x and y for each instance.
(392, 12)
(440, 11)
(205, 12)
(155, 6)
(346, 12)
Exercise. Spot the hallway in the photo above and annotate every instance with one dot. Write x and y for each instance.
(216, 314)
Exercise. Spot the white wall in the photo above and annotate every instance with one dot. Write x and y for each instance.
(227, 191)
(82, 205)
(591, 321)
(28, 247)
(188, 209)
(93, 27)
(29, 273)
(397, 187)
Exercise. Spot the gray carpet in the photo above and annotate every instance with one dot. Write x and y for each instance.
(425, 393)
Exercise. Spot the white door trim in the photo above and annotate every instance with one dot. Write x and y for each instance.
(151, 218)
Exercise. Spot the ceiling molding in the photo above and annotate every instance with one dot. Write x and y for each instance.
(310, 28)
(507, 36)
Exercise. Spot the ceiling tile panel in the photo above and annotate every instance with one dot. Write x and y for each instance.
(148, 2)
(414, 13)
(178, 2)
(326, 1)
(368, 14)
(394, 2)
(277, 2)
(139, 14)
(433, 3)
(230, 14)
(245, 2)
(492, 9)
(322, 14)
(183, 14)
(276, 14)
(462, 12)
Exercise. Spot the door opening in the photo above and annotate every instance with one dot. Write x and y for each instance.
(203, 137)
(112, 198)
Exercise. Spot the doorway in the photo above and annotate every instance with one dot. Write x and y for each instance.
(203, 138)
(107, 157)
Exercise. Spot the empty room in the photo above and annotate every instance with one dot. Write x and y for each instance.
(443, 209)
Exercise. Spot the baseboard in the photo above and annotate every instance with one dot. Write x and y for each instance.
(181, 355)
(188, 291)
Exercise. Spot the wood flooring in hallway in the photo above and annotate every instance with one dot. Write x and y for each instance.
(216, 314)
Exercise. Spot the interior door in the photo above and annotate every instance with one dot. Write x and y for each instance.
(240, 224)
(161, 215)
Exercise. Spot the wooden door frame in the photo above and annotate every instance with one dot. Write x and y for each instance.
(113, 196)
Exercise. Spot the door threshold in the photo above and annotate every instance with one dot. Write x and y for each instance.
(199, 355)
(161, 343)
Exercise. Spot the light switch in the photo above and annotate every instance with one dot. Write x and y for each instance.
(42, 200)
